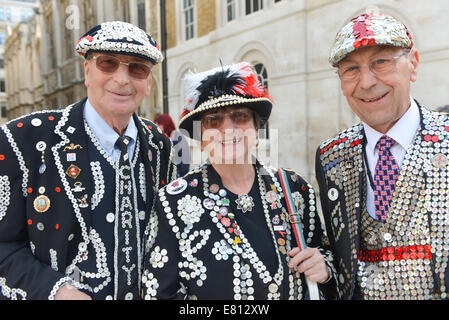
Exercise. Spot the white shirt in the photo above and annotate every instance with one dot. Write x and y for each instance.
(403, 132)
(107, 136)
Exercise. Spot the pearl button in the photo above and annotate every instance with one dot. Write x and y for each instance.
(110, 217)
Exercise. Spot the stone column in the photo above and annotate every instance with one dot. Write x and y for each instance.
(58, 46)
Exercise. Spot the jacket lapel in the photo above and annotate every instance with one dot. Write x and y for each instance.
(354, 200)
(72, 161)
(151, 159)
(278, 219)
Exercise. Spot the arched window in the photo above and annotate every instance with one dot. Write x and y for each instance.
(253, 6)
(262, 73)
(230, 10)
(188, 16)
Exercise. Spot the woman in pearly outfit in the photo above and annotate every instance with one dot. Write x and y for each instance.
(222, 231)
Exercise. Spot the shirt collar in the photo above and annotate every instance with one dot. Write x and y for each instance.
(402, 132)
(105, 135)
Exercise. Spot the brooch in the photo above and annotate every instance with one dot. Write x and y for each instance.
(245, 203)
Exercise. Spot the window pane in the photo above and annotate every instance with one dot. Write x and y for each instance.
(231, 10)
(188, 11)
(141, 15)
(262, 74)
(248, 7)
(256, 5)
(3, 109)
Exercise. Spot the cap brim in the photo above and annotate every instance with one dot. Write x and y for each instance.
(125, 53)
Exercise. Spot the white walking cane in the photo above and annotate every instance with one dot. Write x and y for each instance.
(296, 226)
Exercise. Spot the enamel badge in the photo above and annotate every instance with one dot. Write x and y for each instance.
(41, 203)
(177, 186)
(73, 171)
(208, 203)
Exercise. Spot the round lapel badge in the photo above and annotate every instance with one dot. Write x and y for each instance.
(332, 194)
(41, 203)
(439, 160)
(177, 186)
(193, 183)
(271, 196)
(214, 188)
(223, 211)
(208, 203)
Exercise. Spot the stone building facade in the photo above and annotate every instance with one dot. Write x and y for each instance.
(23, 63)
(55, 29)
(12, 12)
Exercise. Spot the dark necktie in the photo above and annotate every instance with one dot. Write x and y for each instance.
(385, 177)
(126, 226)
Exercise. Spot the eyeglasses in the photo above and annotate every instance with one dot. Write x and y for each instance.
(380, 66)
(215, 120)
(110, 64)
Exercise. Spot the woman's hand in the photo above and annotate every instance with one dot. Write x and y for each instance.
(310, 262)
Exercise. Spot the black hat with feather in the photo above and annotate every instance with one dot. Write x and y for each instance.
(226, 86)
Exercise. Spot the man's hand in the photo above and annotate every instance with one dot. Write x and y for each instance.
(68, 292)
(310, 262)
